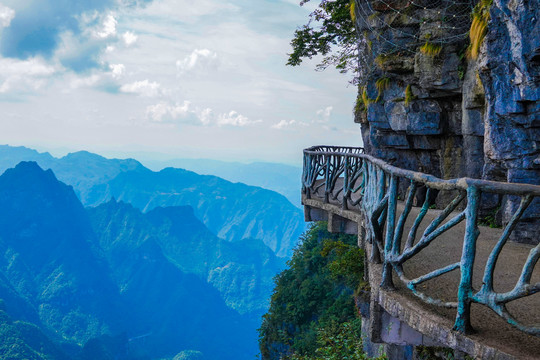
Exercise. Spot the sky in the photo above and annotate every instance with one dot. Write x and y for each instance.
(163, 79)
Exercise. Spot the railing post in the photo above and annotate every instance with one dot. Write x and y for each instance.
(327, 179)
(463, 317)
(387, 282)
(305, 170)
(307, 174)
(346, 190)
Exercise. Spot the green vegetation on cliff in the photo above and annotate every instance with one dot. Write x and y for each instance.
(313, 305)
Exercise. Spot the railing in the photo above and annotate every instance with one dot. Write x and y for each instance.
(371, 186)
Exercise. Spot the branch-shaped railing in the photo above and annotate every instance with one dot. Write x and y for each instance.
(357, 181)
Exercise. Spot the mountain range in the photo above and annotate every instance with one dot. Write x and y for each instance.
(112, 282)
(281, 178)
(232, 211)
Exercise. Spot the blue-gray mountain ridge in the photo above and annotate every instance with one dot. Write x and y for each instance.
(233, 211)
(113, 282)
(281, 178)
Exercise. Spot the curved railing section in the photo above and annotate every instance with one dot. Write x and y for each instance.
(357, 181)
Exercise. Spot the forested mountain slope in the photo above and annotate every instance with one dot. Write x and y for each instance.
(241, 271)
(112, 284)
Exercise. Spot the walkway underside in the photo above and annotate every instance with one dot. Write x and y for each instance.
(493, 337)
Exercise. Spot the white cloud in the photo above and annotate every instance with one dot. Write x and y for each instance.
(162, 112)
(323, 115)
(182, 113)
(23, 75)
(284, 124)
(117, 70)
(199, 58)
(235, 119)
(143, 88)
(129, 38)
(78, 82)
(108, 27)
(186, 113)
(205, 116)
(6, 15)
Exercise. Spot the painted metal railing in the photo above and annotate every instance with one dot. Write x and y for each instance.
(357, 181)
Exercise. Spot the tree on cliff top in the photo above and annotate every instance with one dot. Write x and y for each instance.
(330, 32)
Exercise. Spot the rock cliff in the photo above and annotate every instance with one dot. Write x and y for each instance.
(452, 88)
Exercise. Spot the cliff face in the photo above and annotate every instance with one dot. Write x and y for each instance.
(509, 66)
(426, 105)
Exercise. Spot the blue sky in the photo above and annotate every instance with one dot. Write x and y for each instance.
(166, 79)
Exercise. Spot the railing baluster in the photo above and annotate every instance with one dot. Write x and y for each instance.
(389, 240)
(463, 318)
(401, 223)
(418, 220)
(327, 179)
(346, 190)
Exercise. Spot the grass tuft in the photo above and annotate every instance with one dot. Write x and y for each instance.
(431, 49)
(382, 59)
(408, 95)
(381, 84)
(478, 31)
(365, 98)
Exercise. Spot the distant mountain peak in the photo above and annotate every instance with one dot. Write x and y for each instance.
(28, 165)
(21, 149)
(83, 154)
(29, 171)
(29, 189)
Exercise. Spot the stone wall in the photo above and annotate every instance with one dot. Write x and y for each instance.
(465, 118)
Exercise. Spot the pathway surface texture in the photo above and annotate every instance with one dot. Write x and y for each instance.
(490, 329)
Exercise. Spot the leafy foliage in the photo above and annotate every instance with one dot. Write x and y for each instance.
(313, 296)
(491, 219)
(329, 32)
(339, 342)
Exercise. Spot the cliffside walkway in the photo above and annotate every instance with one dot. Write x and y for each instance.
(450, 280)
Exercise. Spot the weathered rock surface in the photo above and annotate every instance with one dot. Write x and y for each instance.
(461, 117)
